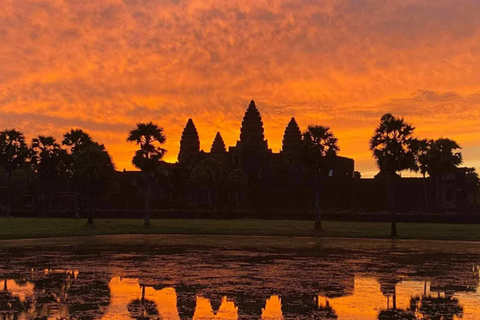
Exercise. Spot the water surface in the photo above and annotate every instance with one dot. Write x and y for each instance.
(200, 277)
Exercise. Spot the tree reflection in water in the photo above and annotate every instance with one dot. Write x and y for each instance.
(11, 306)
(437, 308)
(270, 285)
(142, 309)
(324, 311)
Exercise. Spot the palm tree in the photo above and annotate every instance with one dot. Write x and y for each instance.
(13, 154)
(445, 157)
(47, 160)
(77, 140)
(391, 145)
(320, 147)
(421, 150)
(148, 136)
(94, 171)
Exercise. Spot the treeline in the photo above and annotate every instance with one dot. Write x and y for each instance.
(84, 167)
(77, 163)
(395, 149)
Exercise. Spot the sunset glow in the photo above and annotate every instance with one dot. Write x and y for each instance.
(105, 65)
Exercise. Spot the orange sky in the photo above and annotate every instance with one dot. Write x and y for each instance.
(105, 65)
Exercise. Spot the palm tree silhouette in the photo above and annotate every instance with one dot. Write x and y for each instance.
(320, 148)
(47, 160)
(77, 140)
(94, 171)
(391, 145)
(444, 158)
(422, 149)
(13, 154)
(148, 136)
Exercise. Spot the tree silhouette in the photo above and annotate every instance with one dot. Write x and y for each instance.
(421, 149)
(148, 136)
(320, 147)
(444, 158)
(94, 171)
(209, 174)
(13, 154)
(391, 145)
(48, 161)
(77, 140)
(472, 182)
(237, 182)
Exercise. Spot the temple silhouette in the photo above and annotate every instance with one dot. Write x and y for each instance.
(251, 178)
(251, 152)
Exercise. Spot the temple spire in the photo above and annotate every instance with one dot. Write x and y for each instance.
(189, 143)
(292, 138)
(251, 133)
(218, 146)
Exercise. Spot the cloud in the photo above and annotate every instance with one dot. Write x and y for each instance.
(106, 65)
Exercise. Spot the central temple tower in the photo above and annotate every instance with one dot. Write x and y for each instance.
(252, 139)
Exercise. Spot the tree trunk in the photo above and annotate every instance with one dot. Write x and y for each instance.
(75, 203)
(425, 191)
(237, 202)
(8, 200)
(437, 190)
(444, 192)
(147, 200)
(318, 212)
(50, 201)
(393, 229)
(147, 208)
(90, 213)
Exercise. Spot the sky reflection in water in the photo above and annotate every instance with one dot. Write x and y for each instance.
(346, 280)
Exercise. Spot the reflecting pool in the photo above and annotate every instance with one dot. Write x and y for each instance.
(201, 277)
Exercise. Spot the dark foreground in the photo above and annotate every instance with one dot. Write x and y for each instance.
(232, 277)
(24, 228)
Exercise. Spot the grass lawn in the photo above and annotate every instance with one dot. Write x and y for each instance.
(24, 228)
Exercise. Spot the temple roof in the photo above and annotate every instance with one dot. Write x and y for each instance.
(218, 146)
(292, 137)
(251, 133)
(189, 143)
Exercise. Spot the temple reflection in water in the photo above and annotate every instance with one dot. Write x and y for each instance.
(53, 294)
(332, 279)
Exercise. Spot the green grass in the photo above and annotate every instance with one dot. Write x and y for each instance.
(25, 228)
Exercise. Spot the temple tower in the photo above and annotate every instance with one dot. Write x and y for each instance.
(189, 143)
(292, 138)
(218, 146)
(251, 133)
